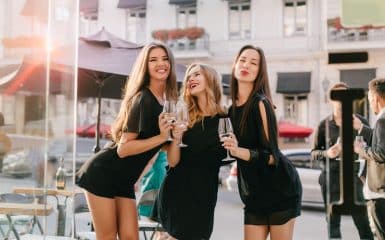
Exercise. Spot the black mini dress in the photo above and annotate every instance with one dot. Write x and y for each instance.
(188, 195)
(271, 193)
(111, 176)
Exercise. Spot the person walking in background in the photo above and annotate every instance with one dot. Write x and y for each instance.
(330, 147)
(138, 133)
(268, 184)
(187, 198)
(374, 154)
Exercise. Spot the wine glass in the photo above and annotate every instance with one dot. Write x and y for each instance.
(224, 130)
(169, 108)
(182, 118)
(360, 140)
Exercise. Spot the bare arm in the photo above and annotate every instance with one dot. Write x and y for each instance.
(129, 144)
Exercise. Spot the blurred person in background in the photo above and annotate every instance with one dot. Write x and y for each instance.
(374, 154)
(330, 147)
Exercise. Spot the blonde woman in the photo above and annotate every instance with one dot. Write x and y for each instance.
(138, 133)
(188, 195)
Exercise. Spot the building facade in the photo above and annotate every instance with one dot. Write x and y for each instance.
(306, 46)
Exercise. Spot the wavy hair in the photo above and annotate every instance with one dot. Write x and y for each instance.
(138, 80)
(213, 93)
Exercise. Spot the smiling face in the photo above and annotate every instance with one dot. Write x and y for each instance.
(158, 64)
(196, 81)
(247, 66)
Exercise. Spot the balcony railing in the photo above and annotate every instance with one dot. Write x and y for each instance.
(339, 33)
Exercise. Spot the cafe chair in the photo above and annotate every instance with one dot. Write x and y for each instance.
(28, 222)
(145, 225)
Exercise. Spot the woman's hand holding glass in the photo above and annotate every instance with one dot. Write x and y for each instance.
(169, 110)
(225, 131)
(164, 126)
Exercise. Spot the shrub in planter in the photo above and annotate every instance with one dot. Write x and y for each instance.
(177, 33)
(161, 35)
(193, 33)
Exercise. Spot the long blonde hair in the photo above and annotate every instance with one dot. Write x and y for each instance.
(138, 80)
(213, 93)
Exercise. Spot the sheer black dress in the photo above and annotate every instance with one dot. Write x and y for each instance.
(271, 193)
(188, 195)
(110, 176)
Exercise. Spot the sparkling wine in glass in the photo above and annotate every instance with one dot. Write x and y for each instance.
(224, 130)
(169, 108)
(182, 118)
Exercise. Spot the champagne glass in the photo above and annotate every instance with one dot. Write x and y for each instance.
(182, 118)
(169, 108)
(224, 130)
(360, 140)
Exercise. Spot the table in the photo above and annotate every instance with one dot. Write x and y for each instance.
(61, 207)
(32, 209)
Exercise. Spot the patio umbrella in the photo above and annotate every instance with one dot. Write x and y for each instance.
(103, 66)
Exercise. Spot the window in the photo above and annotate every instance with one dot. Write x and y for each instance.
(294, 17)
(295, 108)
(88, 24)
(186, 16)
(239, 20)
(136, 25)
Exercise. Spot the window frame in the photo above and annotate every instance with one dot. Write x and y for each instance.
(295, 32)
(187, 8)
(138, 30)
(241, 34)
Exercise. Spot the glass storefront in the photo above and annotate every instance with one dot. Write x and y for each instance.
(38, 85)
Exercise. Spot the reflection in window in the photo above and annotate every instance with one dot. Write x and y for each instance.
(295, 17)
(239, 20)
(186, 16)
(136, 25)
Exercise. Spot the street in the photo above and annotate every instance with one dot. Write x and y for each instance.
(228, 218)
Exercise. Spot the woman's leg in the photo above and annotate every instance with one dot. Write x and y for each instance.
(127, 218)
(256, 232)
(282, 232)
(103, 212)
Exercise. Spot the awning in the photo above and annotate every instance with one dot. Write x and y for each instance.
(8, 72)
(88, 7)
(291, 130)
(132, 4)
(293, 82)
(358, 78)
(183, 2)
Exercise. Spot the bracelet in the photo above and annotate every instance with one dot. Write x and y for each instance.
(253, 155)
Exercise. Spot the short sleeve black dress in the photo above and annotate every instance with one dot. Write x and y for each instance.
(187, 198)
(110, 176)
(271, 193)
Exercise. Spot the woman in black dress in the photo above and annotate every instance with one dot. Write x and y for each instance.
(138, 133)
(187, 198)
(268, 184)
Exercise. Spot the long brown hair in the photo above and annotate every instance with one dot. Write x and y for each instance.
(213, 93)
(138, 80)
(260, 84)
